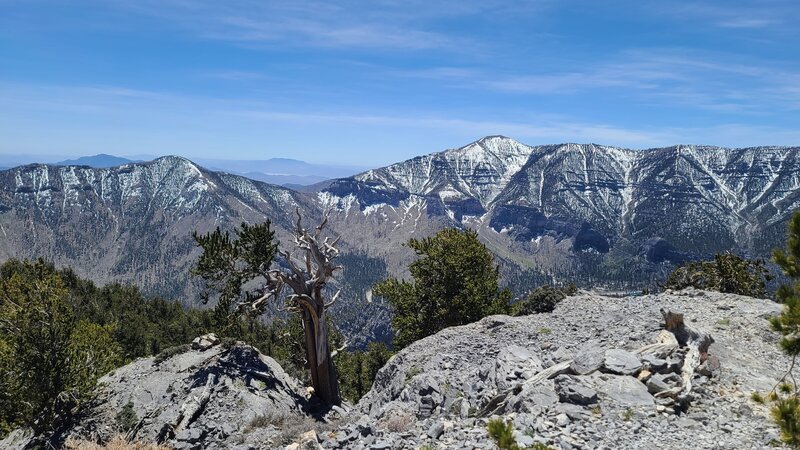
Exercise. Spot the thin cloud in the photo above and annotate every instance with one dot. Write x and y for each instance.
(671, 76)
(384, 25)
(743, 22)
(234, 75)
(548, 132)
(731, 14)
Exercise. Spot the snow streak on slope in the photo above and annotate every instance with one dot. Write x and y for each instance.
(699, 198)
(479, 170)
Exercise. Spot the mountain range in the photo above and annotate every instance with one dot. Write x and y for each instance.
(281, 171)
(101, 160)
(593, 214)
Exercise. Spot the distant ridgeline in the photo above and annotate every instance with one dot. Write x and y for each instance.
(592, 214)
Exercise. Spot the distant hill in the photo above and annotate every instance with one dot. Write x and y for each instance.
(100, 161)
(281, 171)
(287, 180)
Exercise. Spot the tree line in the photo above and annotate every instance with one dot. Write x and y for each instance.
(59, 333)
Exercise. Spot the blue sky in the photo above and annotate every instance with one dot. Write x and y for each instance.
(374, 82)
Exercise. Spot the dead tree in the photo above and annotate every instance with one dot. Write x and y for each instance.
(696, 343)
(307, 275)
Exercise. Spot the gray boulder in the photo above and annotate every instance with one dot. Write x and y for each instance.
(196, 399)
(625, 391)
(436, 430)
(571, 390)
(662, 382)
(654, 363)
(530, 396)
(709, 367)
(621, 362)
(588, 359)
(515, 363)
(205, 342)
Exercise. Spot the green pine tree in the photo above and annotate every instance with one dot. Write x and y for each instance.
(35, 327)
(455, 282)
(786, 397)
(727, 272)
(228, 263)
(91, 353)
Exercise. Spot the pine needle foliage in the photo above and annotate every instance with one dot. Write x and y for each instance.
(60, 333)
(358, 368)
(50, 359)
(785, 397)
(542, 300)
(455, 282)
(502, 433)
(231, 261)
(727, 272)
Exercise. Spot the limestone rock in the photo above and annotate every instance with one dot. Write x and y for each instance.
(662, 382)
(571, 390)
(625, 391)
(654, 363)
(709, 367)
(621, 362)
(205, 342)
(226, 389)
(589, 359)
(438, 386)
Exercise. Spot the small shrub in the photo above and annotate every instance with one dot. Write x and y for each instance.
(727, 272)
(785, 398)
(502, 434)
(545, 331)
(118, 443)
(291, 429)
(627, 415)
(541, 300)
(412, 372)
(227, 342)
(126, 419)
(786, 412)
(398, 421)
(168, 353)
(265, 420)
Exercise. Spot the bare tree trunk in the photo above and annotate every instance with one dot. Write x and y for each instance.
(323, 373)
(326, 371)
(307, 277)
(697, 343)
(311, 354)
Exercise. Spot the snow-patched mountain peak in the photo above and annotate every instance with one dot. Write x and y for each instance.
(177, 163)
(170, 182)
(479, 170)
(696, 197)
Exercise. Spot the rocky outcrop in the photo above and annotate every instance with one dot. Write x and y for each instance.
(596, 373)
(586, 376)
(210, 397)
